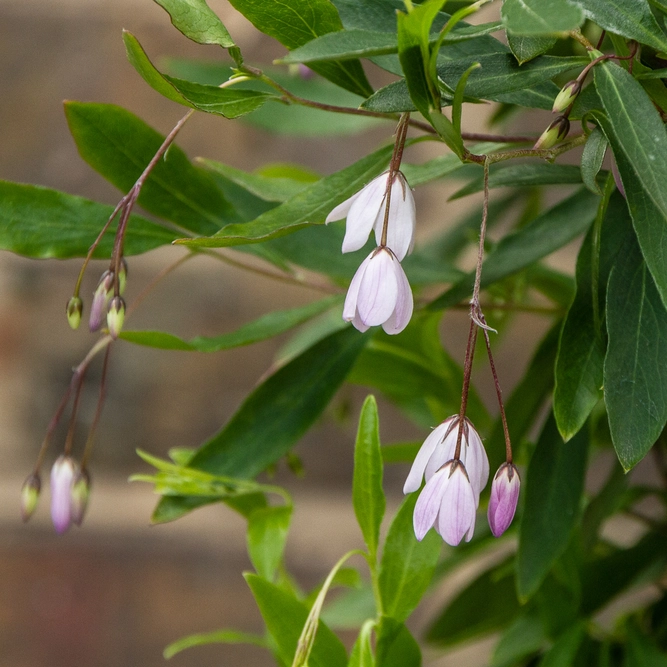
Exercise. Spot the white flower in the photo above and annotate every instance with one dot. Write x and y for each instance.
(366, 210)
(379, 294)
(62, 478)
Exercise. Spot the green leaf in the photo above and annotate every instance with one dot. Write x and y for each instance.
(396, 647)
(553, 488)
(642, 651)
(591, 159)
(266, 537)
(486, 605)
(564, 650)
(227, 102)
(367, 494)
(295, 23)
(42, 223)
(362, 652)
(551, 230)
(527, 48)
(264, 327)
(197, 21)
(407, 565)
(630, 18)
(640, 149)
(522, 638)
(308, 207)
(523, 175)
(119, 145)
(285, 617)
(215, 637)
(634, 378)
(535, 17)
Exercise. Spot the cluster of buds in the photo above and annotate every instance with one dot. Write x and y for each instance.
(559, 128)
(107, 299)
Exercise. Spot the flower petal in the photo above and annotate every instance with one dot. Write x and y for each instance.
(416, 474)
(400, 318)
(445, 450)
(504, 498)
(402, 218)
(428, 504)
(378, 289)
(362, 214)
(342, 209)
(62, 476)
(477, 462)
(350, 307)
(457, 508)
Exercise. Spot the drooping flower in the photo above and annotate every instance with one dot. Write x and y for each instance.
(440, 446)
(504, 498)
(379, 294)
(62, 477)
(447, 503)
(365, 211)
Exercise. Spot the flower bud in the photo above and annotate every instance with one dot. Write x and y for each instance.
(74, 311)
(79, 496)
(122, 276)
(101, 298)
(556, 132)
(566, 96)
(62, 476)
(30, 495)
(504, 498)
(116, 316)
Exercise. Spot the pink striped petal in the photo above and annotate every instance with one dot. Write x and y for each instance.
(446, 448)
(424, 455)
(378, 290)
(400, 318)
(402, 218)
(477, 462)
(350, 307)
(362, 214)
(457, 507)
(504, 498)
(428, 503)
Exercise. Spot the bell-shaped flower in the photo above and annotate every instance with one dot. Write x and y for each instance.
(440, 446)
(62, 478)
(379, 294)
(504, 498)
(447, 503)
(365, 211)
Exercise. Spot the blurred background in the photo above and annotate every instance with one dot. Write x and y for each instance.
(117, 591)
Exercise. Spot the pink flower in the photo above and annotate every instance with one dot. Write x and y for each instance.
(365, 211)
(379, 294)
(62, 477)
(448, 503)
(504, 498)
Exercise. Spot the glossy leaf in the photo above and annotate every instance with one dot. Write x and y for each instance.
(396, 647)
(634, 375)
(367, 494)
(308, 207)
(565, 648)
(407, 565)
(591, 159)
(264, 327)
(548, 232)
(630, 18)
(299, 22)
(285, 617)
(527, 48)
(553, 488)
(534, 17)
(42, 223)
(484, 606)
(197, 21)
(215, 637)
(119, 145)
(266, 538)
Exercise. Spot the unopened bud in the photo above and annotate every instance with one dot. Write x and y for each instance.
(79, 496)
(122, 276)
(556, 132)
(30, 495)
(566, 96)
(504, 498)
(62, 476)
(101, 298)
(116, 316)
(74, 311)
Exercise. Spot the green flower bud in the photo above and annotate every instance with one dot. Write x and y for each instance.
(116, 316)
(79, 496)
(74, 311)
(566, 96)
(556, 132)
(30, 495)
(122, 276)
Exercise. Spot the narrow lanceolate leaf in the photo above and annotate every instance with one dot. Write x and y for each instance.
(362, 651)
(632, 19)
(553, 487)
(407, 565)
(197, 21)
(295, 23)
(229, 102)
(266, 538)
(119, 145)
(367, 494)
(634, 372)
(640, 149)
(535, 17)
(310, 206)
(215, 637)
(42, 223)
(527, 48)
(591, 159)
(285, 617)
(266, 326)
(550, 231)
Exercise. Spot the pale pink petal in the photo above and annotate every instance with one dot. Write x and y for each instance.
(362, 214)
(358, 324)
(504, 498)
(400, 318)
(378, 290)
(416, 474)
(62, 476)
(350, 307)
(477, 462)
(457, 508)
(342, 209)
(428, 504)
(471, 530)
(402, 218)
(445, 450)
